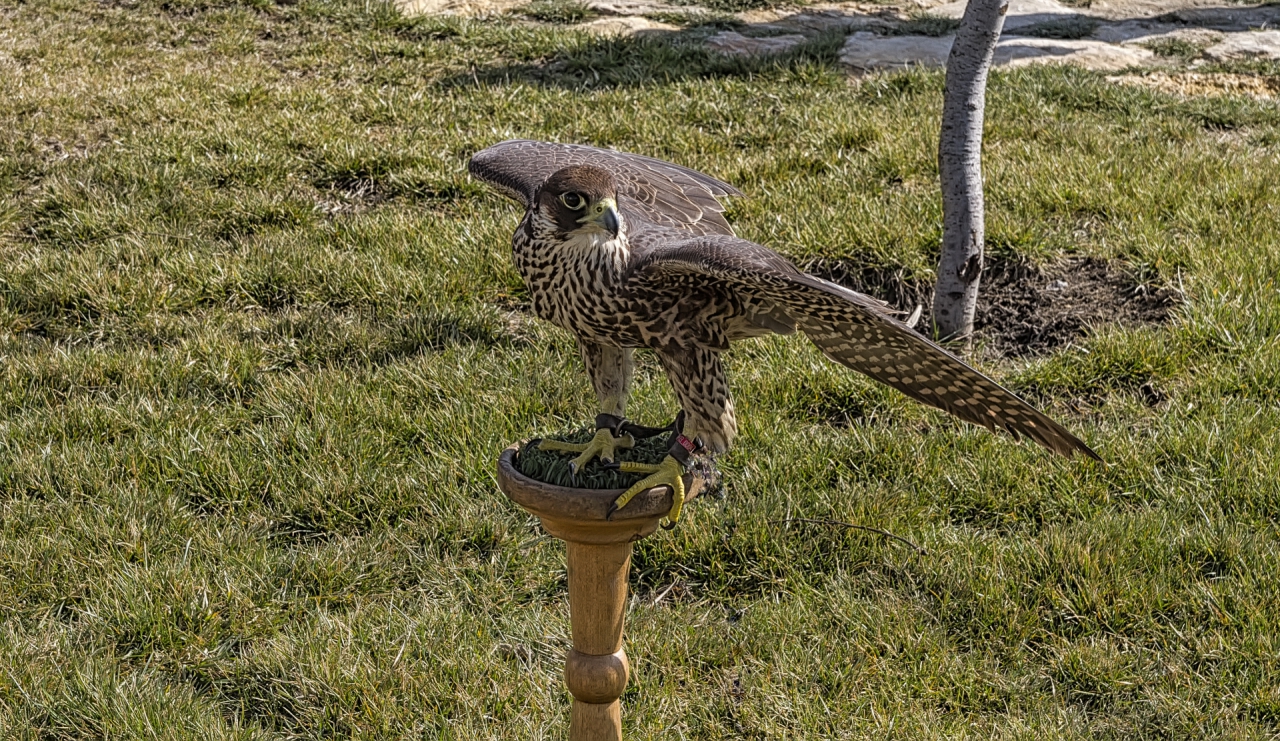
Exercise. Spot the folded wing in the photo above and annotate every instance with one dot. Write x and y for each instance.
(659, 192)
(858, 332)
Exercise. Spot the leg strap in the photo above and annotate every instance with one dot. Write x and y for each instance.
(619, 426)
(680, 447)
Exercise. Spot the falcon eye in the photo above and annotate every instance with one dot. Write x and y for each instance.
(573, 201)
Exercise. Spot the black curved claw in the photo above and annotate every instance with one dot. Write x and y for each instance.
(610, 466)
(613, 507)
(668, 525)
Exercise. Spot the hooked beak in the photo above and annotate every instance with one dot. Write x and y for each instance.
(605, 215)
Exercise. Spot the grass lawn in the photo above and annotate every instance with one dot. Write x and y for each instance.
(262, 343)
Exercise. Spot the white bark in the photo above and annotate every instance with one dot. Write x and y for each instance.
(960, 167)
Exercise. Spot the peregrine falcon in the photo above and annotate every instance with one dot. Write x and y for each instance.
(626, 252)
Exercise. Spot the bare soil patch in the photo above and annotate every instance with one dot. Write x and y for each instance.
(1023, 309)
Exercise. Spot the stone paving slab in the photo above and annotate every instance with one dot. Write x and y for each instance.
(1119, 33)
(869, 51)
(1199, 37)
(634, 7)
(1022, 13)
(1019, 51)
(1249, 45)
(736, 45)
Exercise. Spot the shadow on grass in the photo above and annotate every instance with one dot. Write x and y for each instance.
(649, 57)
(324, 337)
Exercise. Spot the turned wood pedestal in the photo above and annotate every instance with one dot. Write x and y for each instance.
(599, 556)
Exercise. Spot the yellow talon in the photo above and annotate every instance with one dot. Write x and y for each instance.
(667, 473)
(603, 444)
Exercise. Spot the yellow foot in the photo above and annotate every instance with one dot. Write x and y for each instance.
(604, 444)
(667, 473)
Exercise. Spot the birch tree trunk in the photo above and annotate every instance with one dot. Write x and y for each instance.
(960, 165)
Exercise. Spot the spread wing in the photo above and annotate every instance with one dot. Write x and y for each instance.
(856, 331)
(659, 192)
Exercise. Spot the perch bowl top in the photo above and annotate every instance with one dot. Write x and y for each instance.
(581, 515)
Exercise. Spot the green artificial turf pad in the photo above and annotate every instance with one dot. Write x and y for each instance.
(552, 467)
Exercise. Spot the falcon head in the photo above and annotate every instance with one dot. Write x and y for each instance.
(581, 200)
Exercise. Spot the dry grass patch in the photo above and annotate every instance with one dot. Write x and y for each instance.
(1191, 84)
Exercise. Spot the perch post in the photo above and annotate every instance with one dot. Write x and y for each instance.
(599, 556)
